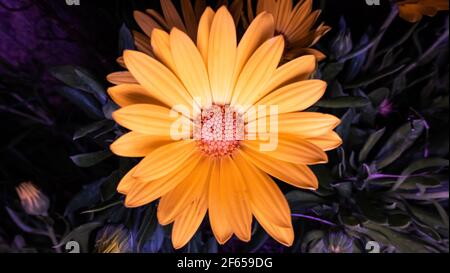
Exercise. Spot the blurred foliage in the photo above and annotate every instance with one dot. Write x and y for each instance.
(388, 183)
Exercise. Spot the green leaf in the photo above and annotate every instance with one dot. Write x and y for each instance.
(156, 240)
(102, 207)
(399, 220)
(378, 95)
(373, 78)
(349, 220)
(303, 197)
(347, 120)
(79, 78)
(400, 241)
(109, 186)
(344, 102)
(331, 71)
(91, 128)
(126, 40)
(147, 228)
(109, 108)
(415, 182)
(259, 237)
(371, 142)
(443, 213)
(84, 101)
(420, 165)
(211, 246)
(369, 209)
(81, 235)
(400, 141)
(427, 217)
(90, 159)
(310, 238)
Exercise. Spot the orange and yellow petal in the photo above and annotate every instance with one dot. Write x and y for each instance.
(295, 97)
(129, 94)
(290, 148)
(178, 199)
(135, 144)
(267, 203)
(166, 159)
(222, 51)
(297, 175)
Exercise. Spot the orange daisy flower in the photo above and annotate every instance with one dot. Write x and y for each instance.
(214, 170)
(151, 19)
(413, 10)
(187, 21)
(296, 24)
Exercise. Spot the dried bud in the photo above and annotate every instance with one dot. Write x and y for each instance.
(333, 242)
(33, 201)
(113, 239)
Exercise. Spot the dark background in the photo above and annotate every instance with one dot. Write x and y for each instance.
(38, 35)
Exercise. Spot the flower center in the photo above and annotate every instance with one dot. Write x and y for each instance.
(219, 130)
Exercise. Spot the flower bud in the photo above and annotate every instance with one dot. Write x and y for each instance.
(113, 239)
(342, 44)
(333, 242)
(33, 201)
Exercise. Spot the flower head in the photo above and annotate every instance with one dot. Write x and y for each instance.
(334, 242)
(386, 107)
(201, 114)
(113, 239)
(33, 201)
(170, 18)
(413, 10)
(296, 23)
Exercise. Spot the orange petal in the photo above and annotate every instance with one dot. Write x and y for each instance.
(171, 15)
(165, 160)
(142, 43)
(200, 7)
(291, 149)
(234, 193)
(293, 71)
(303, 124)
(260, 30)
(127, 182)
(222, 56)
(128, 94)
(295, 97)
(157, 79)
(149, 119)
(236, 10)
(161, 48)
(327, 142)
(204, 30)
(187, 223)
(147, 191)
(217, 217)
(298, 15)
(158, 18)
(267, 202)
(134, 144)
(297, 175)
(145, 22)
(122, 77)
(189, 18)
(258, 71)
(190, 66)
(283, 14)
(294, 52)
(193, 187)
